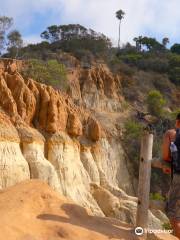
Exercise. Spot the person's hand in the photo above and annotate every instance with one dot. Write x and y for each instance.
(166, 170)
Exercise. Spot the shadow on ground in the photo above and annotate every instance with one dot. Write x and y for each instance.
(78, 216)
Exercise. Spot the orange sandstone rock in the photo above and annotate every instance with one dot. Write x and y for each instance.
(24, 98)
(94, 129)
(43, 107)
(74, 126)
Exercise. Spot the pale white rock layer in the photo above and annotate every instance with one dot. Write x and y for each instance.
(64, 154)
(13, 166)
(40, 167)
(90, 165)
(110, 158)
(92, 99)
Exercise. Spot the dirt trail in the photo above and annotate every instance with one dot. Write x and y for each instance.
(32, 211)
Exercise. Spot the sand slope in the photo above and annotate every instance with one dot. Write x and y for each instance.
(31, 210)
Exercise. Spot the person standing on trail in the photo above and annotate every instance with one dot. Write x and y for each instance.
(171, 165)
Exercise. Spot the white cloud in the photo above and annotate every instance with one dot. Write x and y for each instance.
(154, 17)
(160, 18)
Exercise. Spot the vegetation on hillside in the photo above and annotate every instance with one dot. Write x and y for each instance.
(49, 72)
(72, 38)
(155, 103)
(132, 138)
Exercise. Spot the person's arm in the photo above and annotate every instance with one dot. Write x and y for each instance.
(166, 154)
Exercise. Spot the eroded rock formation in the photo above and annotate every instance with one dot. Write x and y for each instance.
(72, 143)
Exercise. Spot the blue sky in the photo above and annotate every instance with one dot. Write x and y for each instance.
(157, 18)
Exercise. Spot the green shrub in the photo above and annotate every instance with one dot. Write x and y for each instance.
(133, 129)
(155, 103)
(174, 68)
(174, 114)
(146, 61)
(167, 226)
(157, 146)
(157, 196)
(131, 143)
(50, 72)
(174, 75)
(57, 73)
(117, 66)
(132, 58)
(174, 60)
(156, 64)
(161, 83)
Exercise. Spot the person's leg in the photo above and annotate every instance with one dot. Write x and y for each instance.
(174, 205)
(176, 227)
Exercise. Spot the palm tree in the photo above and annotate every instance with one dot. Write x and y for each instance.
(120, 15)
(165, 41)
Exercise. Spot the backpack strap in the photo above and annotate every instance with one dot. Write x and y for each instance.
(172, 169)
(177, 136)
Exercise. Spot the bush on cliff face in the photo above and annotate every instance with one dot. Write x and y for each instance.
(132, 58)
(174, 114)
(133, 129)
(50, 72)
(157, 196)
(155, 103)
(132, 140)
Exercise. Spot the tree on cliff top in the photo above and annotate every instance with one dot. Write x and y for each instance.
(5, 24)
(76, 39)
(165, 41)
(52, 33)
(175, 48)
(150, 44)
(69, 32)
(15, 42)
(11, 41)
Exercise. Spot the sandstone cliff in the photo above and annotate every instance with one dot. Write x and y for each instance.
(70, 141)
